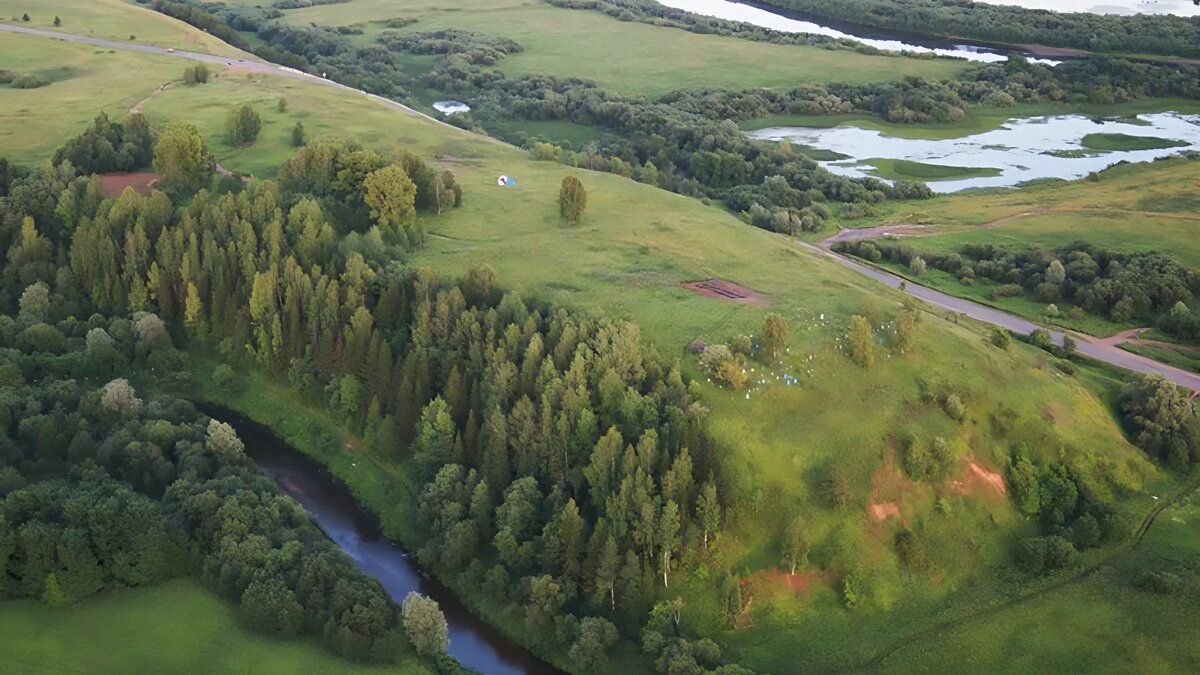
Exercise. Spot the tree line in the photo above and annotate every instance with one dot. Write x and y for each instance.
(562, 462)
(1163, 34)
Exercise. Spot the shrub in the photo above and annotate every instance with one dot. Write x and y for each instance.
(29, 81)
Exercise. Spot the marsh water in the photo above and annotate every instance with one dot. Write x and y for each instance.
(1022, 150)
(473, 642)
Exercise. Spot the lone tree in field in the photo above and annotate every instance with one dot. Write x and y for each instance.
(862, 347)
(392, 196)
(774, 336)
(181, 161)
(425, 625)
(243, 125)
(57, 21)
(197, 73)
(298, 135)
(572, 199)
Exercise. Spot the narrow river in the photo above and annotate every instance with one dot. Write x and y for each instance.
(473, 642)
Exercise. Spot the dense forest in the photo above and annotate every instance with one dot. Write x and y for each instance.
(1163, 34)
(563, 465)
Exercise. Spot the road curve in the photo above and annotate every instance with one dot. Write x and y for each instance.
(249, 64)
(1085, 345)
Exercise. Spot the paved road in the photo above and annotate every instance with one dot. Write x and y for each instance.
(1108, 353)
(247, 64)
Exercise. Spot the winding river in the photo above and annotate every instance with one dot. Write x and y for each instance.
(779, 19)
(1021, 150)
(473, 642)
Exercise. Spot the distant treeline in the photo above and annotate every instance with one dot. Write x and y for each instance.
(1163, 34)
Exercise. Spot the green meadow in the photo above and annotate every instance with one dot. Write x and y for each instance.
(177, 627)
(110, 20)
(903, 169)
(651, 60)
(628, 257)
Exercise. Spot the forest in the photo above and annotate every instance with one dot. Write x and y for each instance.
(1162, 34)
(563, 464)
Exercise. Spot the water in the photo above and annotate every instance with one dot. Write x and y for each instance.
(473, 642)
(1179, 7)
(776, 20)
(1018, 148)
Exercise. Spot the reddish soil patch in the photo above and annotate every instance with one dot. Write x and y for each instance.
(725, 290)
(885, 510)
(113, 184)
(977, 480)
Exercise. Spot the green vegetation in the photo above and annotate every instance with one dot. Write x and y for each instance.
(181, 628)
(874, 481)
(1180, 356)
(1125, 142)
(978, 119)
(109, 20)
(651, 60)
(903, 169)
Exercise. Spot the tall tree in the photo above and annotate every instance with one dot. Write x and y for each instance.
(181, 159)
(862, 345)
(572, 199)
(774, 336)
(391, 195)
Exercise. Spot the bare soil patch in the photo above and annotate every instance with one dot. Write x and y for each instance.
(885, 510)
(720, 289)
(976, 480)
(113, 184)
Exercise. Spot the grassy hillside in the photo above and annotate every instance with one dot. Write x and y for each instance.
(628, 257)
(111, 20)
(651, 60)
(178, 627)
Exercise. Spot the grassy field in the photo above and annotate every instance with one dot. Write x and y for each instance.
(1179, 356)
(84, 81)
(627, 258)
(177, 627)
(111, 20)
(651, 60)
(903, 169)
(1125, 142)
(977, 120)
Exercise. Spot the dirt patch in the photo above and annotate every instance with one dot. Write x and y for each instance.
(725, 290)
(113, 184)
(977, 480)
(885, 510)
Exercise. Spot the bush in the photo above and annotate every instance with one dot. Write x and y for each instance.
(29, 81)
(954, 408)
(1165, 583)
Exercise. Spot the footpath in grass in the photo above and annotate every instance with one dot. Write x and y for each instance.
(175, 627)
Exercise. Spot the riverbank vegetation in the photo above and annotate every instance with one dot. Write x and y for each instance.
(1161, 34)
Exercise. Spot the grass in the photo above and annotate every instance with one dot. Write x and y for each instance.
(977, 120)
(650, 61)
(1136, 207)
(112, 20)
(555, 131)
(1125, 142)
(84, 81)
(1187, 358)
(903, 169)
(176, 627)
(627, 259)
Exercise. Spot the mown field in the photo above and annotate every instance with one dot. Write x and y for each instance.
(111, 20)
(177, 627)
(627, 258)
(651, 60)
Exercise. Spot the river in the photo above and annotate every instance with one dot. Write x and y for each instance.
(1021, 150)
(780, 19)
(473, 642)
(1178, 7)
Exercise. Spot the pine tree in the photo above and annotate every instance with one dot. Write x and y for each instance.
(708, 511)
(53, 595)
